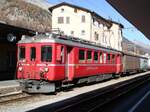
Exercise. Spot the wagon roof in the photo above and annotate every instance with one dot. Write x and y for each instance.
(135, 55)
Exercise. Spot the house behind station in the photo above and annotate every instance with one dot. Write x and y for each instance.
(83, 23)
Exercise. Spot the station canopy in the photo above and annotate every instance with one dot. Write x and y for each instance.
(135, 11)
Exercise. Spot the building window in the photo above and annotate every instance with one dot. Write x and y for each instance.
(67, 20)
(83, 32)
(75, 10)
(62, 9)
(96, 35)
(72, 32)
(105, 28)
(96, 23)
(60, 20)
(83, 19)
(62, 32)
(101, 26)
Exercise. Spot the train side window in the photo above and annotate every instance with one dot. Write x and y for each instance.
(46, 53)
(32, 53)
(101, 57)
(108, 58)
(89, 56)
(62, 54)
(21, 53)
(113, 59)
(81, 55)
(104, 54)
(95, 56)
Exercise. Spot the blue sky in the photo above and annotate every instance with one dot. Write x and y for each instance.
(105, 10)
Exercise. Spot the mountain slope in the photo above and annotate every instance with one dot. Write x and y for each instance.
(26, 15)
(41, 3)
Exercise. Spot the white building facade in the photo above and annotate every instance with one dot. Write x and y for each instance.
(82, 23)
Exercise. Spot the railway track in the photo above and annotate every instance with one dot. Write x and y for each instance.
(90, 102)
(13, 97)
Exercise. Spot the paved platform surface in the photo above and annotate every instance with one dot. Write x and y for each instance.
(36, 102)
(9, 87)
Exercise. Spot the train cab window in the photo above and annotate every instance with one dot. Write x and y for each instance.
(81, 55)
(89, 56)
(21, 53)
(46, 53)
(32, 53)
(113, 59)
(108, 58)
(101, 57)
(104, 57)
(95, 56)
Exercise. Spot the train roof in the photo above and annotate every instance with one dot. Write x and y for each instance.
(135, 55)
(63, 39)
(71, 41)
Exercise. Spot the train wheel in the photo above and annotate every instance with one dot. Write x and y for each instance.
(117, 75)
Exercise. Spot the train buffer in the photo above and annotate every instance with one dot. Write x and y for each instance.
(9, 87)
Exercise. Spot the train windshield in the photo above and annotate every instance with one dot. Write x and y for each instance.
(46, 53)
(21, 53)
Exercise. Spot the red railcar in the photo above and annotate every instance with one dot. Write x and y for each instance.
(48, 61)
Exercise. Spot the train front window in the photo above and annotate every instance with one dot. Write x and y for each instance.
(46, 53)
(33, 53)
(21, 53)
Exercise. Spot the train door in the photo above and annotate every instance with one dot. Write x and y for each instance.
(68, 62)
(32, 61)
(118, 62)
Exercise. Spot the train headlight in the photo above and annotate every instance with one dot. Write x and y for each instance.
(46, 69)
(20, 69)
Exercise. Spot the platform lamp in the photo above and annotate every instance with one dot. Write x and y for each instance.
(11, 37)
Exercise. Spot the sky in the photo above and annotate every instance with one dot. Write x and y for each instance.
(107, 11)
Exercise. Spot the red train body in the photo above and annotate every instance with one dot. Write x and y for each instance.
(48, 61)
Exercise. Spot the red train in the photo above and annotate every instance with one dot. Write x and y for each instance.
(50, 61)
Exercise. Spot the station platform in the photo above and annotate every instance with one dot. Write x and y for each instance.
(76, 92)
(9, 87)
(41, 101)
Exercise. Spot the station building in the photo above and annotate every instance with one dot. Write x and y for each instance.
(9, 35)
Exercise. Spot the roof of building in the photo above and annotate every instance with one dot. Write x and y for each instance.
(116, 23)
(11, 28)
(109, 22)
(135, 11)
